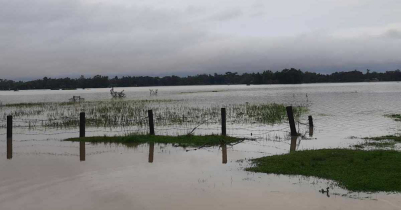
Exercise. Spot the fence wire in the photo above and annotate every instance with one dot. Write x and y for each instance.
(163, 126)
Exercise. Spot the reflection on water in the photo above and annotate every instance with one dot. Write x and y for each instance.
(9, 148)
(123, 173)
(151, 151)
(293, 145)
(82, 151)
(224, 152)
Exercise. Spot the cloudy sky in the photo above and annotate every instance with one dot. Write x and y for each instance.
(60, 38)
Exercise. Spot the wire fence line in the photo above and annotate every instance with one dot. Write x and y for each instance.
(235, 131)
(142, 124)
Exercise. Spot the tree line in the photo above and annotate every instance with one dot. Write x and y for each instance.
(286, 76)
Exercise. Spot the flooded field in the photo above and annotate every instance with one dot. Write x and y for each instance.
(46, 172)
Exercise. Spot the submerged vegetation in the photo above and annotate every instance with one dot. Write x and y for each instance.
(356, 170)
(395, 138)
(388, 141)
(370, 144)
(122, 113)
(182, 141)
(396, 117)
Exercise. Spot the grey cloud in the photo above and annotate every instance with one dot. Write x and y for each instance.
(226, 15)
(71, 37)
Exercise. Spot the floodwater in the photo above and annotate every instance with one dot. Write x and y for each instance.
(48, 173)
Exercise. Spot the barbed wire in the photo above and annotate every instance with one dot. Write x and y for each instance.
(302, 123)
(164, 127)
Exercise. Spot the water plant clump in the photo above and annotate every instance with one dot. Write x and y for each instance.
(271, 113)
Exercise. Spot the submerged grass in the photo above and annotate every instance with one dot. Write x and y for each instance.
(379, 142)
(182, 141)
(396, 117)
(356, 170)
(384, 144)
(395, 138)
(121, 113)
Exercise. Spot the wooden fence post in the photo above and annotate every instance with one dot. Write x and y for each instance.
(9, 137)
(223, 122)
(290, 115)
(151, 125)
(82, 124)
(310, 119)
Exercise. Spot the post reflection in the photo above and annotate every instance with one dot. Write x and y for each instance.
(224, 153)
(293, 145)
(82, 151)
(151, 151)
(310, 131)
(9, 148)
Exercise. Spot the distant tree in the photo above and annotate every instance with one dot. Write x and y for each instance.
(286, 76)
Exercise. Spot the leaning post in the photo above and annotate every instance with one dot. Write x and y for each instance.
(290, 115)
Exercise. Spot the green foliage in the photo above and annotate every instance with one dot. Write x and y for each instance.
(356, 170)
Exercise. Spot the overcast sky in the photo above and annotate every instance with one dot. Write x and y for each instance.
(60, 38)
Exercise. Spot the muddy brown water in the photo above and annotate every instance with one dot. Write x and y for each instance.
(48, 173)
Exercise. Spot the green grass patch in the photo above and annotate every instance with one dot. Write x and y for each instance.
(355, 170)
(182, 141)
